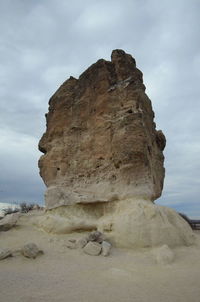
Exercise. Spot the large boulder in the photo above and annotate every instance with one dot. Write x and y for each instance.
(101, 142)
(103, 159)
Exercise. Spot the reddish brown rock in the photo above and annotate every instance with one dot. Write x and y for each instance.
(101, 143)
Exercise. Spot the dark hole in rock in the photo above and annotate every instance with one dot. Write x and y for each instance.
(149, 149)
(58, 169)
(130, 111)
(117, 164)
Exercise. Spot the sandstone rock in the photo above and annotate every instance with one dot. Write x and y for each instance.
(92, 248)
(164, 255)
(106, 247)
(103, 159)
(9, 221)
(101, 143)
(31, 250)
(5, 253)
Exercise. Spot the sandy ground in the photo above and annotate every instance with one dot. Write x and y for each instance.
(68, 275)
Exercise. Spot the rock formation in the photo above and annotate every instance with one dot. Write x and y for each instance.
(101, 143)
(103, 157)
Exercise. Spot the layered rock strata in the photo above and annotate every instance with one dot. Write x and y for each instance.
(103, 159)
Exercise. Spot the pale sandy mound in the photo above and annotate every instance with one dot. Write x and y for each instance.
(127, 223)
(62, 274)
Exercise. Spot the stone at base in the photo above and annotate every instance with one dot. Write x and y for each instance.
(80, 243)
(5, 253)
(92, 248)
(31, 250)
(70, 245)
(96, 236)
(106, 247)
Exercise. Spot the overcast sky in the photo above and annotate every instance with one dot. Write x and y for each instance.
(42, 43)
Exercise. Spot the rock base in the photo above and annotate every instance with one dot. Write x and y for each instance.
(127, 223)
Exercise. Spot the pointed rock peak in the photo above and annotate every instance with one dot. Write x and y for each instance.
(119, 55)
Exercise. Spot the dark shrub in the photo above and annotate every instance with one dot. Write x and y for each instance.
(25, 207)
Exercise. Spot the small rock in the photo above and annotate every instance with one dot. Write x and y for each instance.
(31, 250)
(72, 240)
(9, 221)
(106, 247)
(92, 248)
(96, 236)
(70, 244)
(164, 255)
(5, 253)
(80, 243)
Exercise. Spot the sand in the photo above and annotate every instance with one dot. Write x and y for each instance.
(68, 275)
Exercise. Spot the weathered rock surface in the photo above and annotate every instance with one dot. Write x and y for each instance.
(92, 248)
(103, 160)
(9, 221)
(5, 253)
(101, 143)
(31, 250)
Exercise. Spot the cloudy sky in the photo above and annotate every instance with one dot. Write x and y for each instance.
(43, 42)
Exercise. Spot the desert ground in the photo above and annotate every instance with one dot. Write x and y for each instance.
(63, 274)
